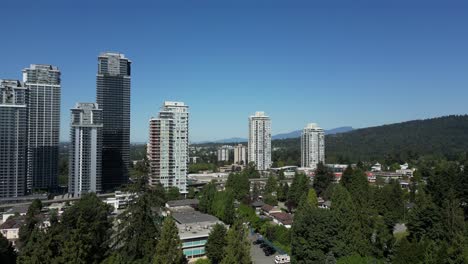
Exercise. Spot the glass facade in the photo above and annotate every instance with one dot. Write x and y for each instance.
(113, 97)
(13, 138)
(43, 83)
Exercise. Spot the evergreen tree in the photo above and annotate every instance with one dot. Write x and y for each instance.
(323, 179)
(312, 198)
(173, 193)
(271, 185)
(169, 248)
(238, 246)
(30, 222)
(390, 203)
(7, 251)
(86, 229)
(215, 246)
(138, 227)
(313, 231)
(349, 238)
(207, 197)
(299, 187)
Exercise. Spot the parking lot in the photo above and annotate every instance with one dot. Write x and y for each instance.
(258, 256)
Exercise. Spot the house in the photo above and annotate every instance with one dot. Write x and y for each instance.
(377, 167)
(10, 229)
(18, 210)
(257, 205)
(283, 219)
(268, 209)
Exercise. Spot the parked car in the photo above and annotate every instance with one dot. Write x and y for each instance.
(258, 242)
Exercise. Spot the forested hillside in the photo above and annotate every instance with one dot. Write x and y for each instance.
(444, 136)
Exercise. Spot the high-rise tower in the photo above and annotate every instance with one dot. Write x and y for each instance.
(168, 146)
(260, 141)
(113, 97)
(85, 149)
(312, 146)
(43, 84)
(13, 138)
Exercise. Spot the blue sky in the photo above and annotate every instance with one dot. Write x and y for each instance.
(356, 63)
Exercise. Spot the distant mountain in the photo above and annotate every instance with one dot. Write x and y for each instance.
(297, 133)
(294, 134)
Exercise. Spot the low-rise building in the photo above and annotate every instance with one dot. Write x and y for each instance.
(17, 210)
(10, 229)
(283, 219)
(194, 228)
(269, 209)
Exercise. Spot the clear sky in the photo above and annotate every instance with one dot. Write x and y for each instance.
(336, 63)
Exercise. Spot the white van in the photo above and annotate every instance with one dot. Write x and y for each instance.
(282, 259)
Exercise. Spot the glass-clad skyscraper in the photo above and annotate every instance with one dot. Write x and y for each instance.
(113, 97)
(43, 83)
(13, 138)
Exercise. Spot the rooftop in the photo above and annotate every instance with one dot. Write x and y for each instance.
(186, 202)
(193, 217)
(12, 223)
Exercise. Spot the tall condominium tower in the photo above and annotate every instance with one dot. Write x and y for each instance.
(13, 138)
(260, 140)
(113, 97)
(43, 83)
(224, 153)
(85, 149)
(168, 146)
(240, 154)
(312, 146)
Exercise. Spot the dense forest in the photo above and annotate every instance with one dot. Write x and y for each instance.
(444, 137)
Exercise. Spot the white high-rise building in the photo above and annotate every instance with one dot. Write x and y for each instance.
(260, 141)
(168, 146)
(85, 149)
(312, 146)
(240, 154)
(224, 153)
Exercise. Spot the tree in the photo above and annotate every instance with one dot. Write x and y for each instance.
(82, 235)
(312, 198)
(207, 197)
(169, 248)
(357, 259)
(283, 190)
(271, 186)
(215, 246)
(238, 246)
(349, 238)
(86, 229)
(7, 251)
(313, 231)
(192, 193)
(271, 200)
(138, 229)
(323, 179)
(173, 193)
(299, 187)
(223, 206)
(30, 222)
(239, 184)
(255, 191)
(390, 203)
